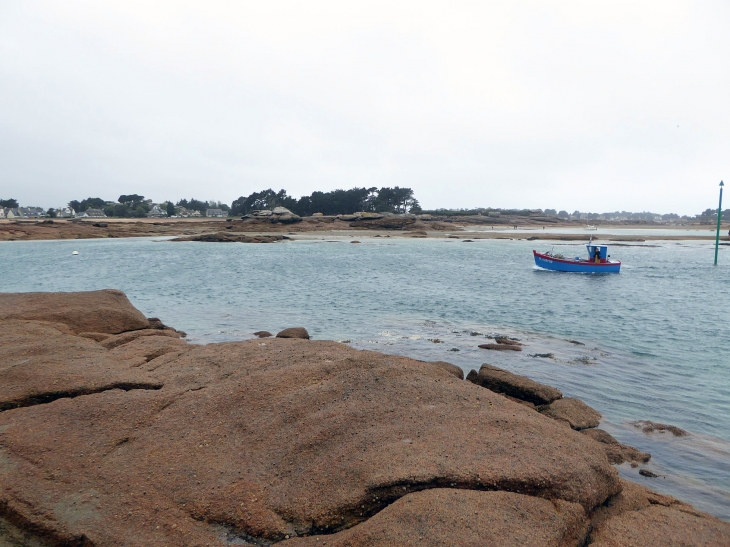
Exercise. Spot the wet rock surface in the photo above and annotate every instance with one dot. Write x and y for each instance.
(169, 443)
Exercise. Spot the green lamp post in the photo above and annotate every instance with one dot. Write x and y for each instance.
(719, 218)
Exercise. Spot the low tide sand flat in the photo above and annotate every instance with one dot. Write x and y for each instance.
(155, 441)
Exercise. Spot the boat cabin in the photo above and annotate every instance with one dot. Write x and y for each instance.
(600, 250)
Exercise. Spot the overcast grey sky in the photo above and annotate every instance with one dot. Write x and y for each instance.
(589, 105)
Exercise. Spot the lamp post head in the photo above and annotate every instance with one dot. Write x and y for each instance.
(722, 183)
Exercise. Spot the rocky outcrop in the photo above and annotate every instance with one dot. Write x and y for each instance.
(227, 237)
(294, 332)
(573, 411)
(154, 441)
(276, 215)
(616, 452)
(514, 385)
(364, 215)
(390, 222)
(107, 311)
(263, 334)
(443, 517)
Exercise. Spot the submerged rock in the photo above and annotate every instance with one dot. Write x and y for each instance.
(650, 427)
(500, 347)
(263, 334)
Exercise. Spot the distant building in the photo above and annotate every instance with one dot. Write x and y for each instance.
(65, 212)
(12, 213)
(156, 212)
(186, 213)
(91, 213)
(214, 213)
(31, 212)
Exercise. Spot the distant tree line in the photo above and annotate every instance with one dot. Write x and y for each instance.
(391, 200)
(9, 203)
(135, 205)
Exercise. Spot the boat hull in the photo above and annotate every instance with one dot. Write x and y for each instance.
(578, 266)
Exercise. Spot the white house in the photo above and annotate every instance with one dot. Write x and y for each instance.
(91, 213)
(156, 212)
(214, 213)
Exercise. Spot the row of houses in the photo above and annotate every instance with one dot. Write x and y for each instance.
(67, 212)
(22, 212)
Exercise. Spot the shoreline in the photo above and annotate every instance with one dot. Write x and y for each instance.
(313, 227)
(112, 363)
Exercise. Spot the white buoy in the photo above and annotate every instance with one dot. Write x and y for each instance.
(75, 253)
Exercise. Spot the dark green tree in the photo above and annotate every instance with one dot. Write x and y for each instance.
(88, 203)
(170, 209)
(51, 213)
(131, 200)
(266, 199)
(194, 205)
(140, 212)
(9, 203)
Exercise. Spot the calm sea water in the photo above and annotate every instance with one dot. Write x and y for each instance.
(656, 342)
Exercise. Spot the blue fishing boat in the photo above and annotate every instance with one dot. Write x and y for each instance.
(598, 261)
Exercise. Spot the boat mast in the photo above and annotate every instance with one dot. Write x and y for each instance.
(719, 217)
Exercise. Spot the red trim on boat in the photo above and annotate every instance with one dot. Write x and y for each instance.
(582, 262)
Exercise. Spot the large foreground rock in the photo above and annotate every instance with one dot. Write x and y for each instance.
(258, 440)
(514, 385)
(107, 311)
(446, 517)
(153, 441)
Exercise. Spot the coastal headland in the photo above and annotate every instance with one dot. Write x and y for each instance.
(116, 431)
(264, 229)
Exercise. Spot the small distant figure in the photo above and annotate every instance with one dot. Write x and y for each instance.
(597, 256)
(543, 227)
(728, 232)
